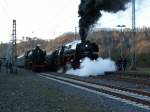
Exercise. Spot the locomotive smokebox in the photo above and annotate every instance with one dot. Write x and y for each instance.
(87, 49)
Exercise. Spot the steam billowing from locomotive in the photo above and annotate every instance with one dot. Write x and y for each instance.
(90, 12)
(93, 68)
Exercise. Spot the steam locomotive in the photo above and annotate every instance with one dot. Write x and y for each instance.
(70, 56)
(64, 57)
(33, 59)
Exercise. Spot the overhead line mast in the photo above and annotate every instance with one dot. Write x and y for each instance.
(14, 44)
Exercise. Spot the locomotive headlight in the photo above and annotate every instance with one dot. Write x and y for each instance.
(86, 45)
(94, 60)
(80, 61)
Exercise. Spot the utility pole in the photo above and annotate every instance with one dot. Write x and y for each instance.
(133, 60)
(14, 49)
(75, 35)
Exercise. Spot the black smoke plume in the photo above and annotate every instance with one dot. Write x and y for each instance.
(90, 12)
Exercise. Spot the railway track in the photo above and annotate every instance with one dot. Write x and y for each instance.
(138, 98)
(116, 87)
(129, 79)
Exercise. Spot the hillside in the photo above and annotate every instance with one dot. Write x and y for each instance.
(108, 40)
(48, 45)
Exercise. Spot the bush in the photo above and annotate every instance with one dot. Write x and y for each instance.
(143, 60)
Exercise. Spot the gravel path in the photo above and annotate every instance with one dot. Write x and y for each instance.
(27, 92)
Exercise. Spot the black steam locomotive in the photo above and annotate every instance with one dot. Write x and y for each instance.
(66, 56)
(34, 59)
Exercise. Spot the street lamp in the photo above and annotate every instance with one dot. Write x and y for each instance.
(121, 39)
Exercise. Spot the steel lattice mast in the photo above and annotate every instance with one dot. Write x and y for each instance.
(14, 49)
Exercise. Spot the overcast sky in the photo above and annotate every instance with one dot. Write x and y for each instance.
(49, 18)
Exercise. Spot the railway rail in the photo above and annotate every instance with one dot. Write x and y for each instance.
(138, 98)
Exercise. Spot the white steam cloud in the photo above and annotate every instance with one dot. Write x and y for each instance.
(93, 68)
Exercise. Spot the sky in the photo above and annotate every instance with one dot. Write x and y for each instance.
(48, 19)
